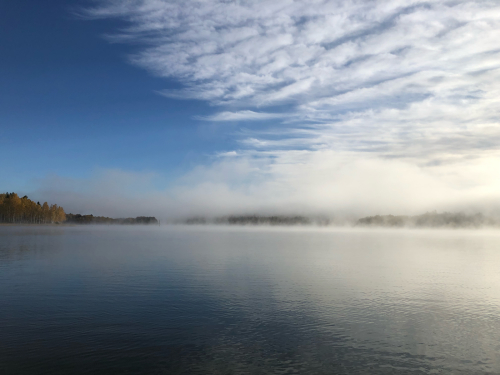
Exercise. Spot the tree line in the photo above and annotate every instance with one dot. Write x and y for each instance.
(430, 220)
(254, 220)
(91, 219)
(14, 209)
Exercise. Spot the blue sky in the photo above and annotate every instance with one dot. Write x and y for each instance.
(176, 108)
(70, 103)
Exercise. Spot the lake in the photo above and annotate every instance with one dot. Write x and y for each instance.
(235, 300)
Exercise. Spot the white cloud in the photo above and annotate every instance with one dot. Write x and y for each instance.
(337, 60)
(246, 115)
(412, 80)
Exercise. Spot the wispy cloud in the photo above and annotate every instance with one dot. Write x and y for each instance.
(392, 70)
(399, 79)
(246, 115)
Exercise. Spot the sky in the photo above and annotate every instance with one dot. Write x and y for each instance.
(214, 107)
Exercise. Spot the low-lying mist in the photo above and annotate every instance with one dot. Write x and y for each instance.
(319, 185)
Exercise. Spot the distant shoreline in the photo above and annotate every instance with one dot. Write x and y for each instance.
(445, 220)
(15, 210)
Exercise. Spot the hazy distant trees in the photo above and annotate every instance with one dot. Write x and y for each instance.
(264, 220)
(253, 220)
(430, 220)
(91, 219)
(23, 210)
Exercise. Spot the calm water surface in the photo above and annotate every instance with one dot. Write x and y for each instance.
(150, 300)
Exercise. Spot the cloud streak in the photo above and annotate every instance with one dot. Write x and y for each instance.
(389, 70)
(411, 80)
(245, 115)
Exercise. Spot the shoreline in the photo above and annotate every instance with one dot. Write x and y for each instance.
(266, 226)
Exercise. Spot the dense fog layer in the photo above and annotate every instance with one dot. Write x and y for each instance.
(324, 184)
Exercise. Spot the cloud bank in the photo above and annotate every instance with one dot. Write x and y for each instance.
(390, 105)
(313, 183)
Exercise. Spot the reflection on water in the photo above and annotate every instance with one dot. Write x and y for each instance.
(86, 300)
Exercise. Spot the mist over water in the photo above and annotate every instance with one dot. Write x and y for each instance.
(89, 300)
(326, 184)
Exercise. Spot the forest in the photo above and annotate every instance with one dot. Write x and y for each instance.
(251, 220)
(430, 220)
(14, 209)
(91, 219)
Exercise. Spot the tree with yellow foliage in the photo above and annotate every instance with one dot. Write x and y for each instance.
(23, 210)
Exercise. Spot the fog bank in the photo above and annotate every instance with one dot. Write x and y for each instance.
(309, 183)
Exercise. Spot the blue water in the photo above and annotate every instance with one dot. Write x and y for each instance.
(217, 300)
